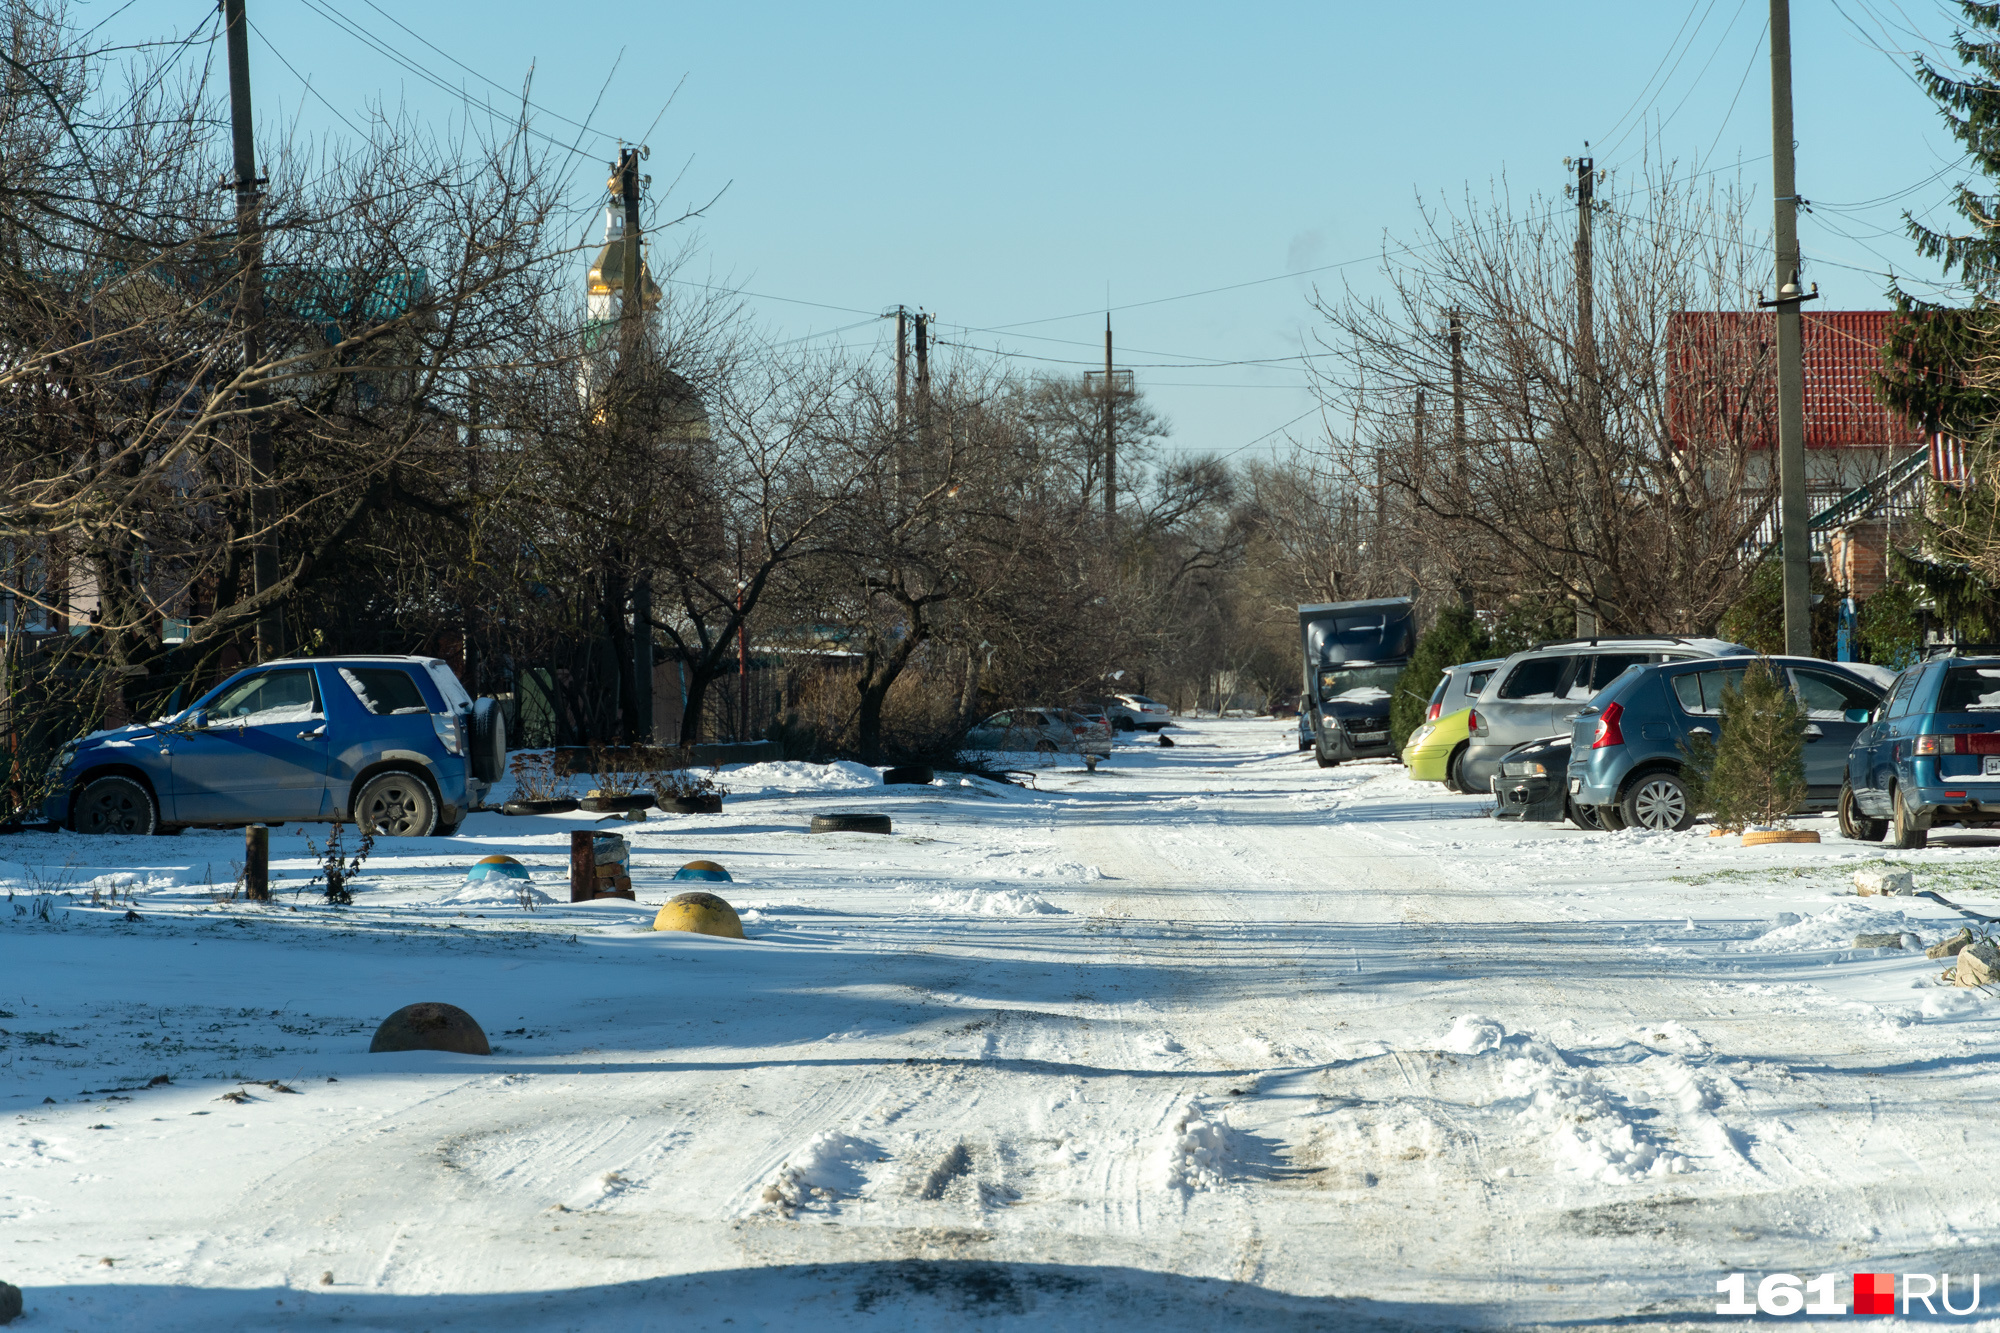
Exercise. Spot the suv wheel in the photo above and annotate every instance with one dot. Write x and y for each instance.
(115, 805)
(399, 805)
(1853, 823)
(1658, 801)
(1905, 831)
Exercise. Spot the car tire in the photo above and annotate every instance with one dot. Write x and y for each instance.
(1610, 818)
(1904, 830)
(1583, 816)
(489, 741)
(1125, 724)
(397, 804)
(1319, 757)
(1854, 823)
(116, 805)
(447, 830)
(1454, 771)
(1659, 801)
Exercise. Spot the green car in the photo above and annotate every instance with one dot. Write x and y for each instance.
(1434, 749)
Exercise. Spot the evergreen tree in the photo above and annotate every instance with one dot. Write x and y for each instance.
(1939, 359)
(1456, 636)
(1758, 774)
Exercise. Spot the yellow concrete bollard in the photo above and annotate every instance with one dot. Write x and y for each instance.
(700, 913)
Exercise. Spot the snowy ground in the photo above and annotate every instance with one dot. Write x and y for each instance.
(1208, 1038)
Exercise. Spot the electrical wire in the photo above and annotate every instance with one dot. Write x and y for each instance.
(1664, 57)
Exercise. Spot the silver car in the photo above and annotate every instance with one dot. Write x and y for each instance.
(1539, 692)
(1044, 730)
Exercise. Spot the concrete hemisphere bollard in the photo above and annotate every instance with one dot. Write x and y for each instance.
(705, 871)
(700, 914)
(492, 869)
(431, 1026)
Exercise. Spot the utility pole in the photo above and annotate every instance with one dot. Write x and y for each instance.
(902, 369)
(1794, 533)
(1586, 364)
(1455, 332)
(632, 338)
(250, 316)
(923, 323)
(1110, 431)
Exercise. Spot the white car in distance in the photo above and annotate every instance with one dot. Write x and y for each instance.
(1135, 711)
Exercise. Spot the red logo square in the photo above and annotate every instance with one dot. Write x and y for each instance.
(1874, 1293)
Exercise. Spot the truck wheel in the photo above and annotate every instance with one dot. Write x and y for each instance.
(1853, 823)
(399, 805)
(1904, 829)
(115, 805)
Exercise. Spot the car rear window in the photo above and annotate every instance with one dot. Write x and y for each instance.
(385, 691)
(1536, 676)
(1969, 689)
(1478, 681)
(1701, 691)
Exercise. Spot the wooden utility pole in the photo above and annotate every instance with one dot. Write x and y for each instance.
(902, 369)
(250, 319)
(923, 331)
(1110, 431)
(632, 341)
(1794, 532)
(1455, 333)
(1586, 366)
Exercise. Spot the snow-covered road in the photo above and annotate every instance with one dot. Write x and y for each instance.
(1209, 1037)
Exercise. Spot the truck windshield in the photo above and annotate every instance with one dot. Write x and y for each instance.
(1358, 682)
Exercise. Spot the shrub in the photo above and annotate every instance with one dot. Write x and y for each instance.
(1455, 636)
(1759, 772)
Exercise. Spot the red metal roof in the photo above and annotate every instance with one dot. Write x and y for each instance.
(1709, 353)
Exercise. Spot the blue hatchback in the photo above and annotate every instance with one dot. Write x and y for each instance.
(1930, 755)
(1626, 753)
(393, 743)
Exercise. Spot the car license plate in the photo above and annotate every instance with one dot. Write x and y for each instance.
(1992, 765)
(1366, 736)
(1575, 786)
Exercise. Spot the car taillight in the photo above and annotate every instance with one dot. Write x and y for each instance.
(1608, 732)
(1431, 714)
(1472, 722)
(1981, 742)
(450, 731)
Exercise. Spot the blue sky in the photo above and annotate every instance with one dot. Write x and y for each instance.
(1005, 167)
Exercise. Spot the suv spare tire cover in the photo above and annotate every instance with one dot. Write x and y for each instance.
(489, 740)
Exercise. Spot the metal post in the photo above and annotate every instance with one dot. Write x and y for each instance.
(257, 863)
(1592, 391)
(250, 317)
(1793, 531)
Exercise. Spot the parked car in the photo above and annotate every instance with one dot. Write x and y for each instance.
(389, 742)
(1538, 692)
(1129, 712)
(1534, 785)
(1435, 749)
(1088, 726)
(1930, 755)
(1626, 750)
(1041, 729)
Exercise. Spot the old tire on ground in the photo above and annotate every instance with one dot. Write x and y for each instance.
(1659, 801)
(1904, 829)
(710, 804)
(560, 806)
(1583, 816)
(616, 805)
(398, 805)
(115, 805)
(489, 740)
(908, 775)
(850, 823)
(1854, 823)
(1454, 771)
(431, 1027)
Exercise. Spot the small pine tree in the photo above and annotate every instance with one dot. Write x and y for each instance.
(1456, 636)
(1759, 772)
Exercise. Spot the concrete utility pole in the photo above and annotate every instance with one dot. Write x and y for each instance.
(1794, 534)
(1455, 332)
(631, 340)
(1110, 430)
(1586, 365)
(250, 316)
(923, 331)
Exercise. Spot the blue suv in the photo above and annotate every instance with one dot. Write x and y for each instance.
(1626, 751)
(1930, 755)
(393, 743)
